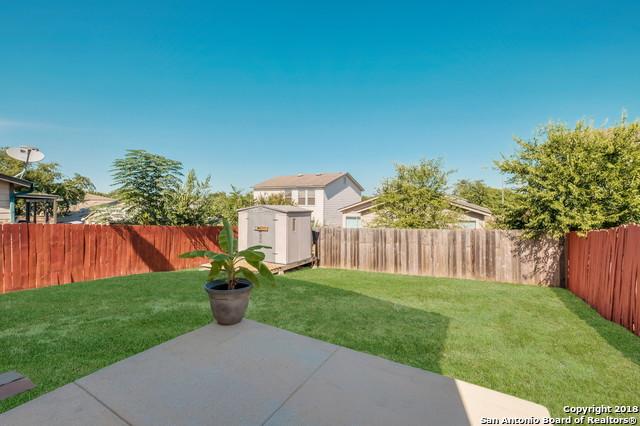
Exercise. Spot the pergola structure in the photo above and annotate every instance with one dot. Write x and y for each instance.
(33, 200)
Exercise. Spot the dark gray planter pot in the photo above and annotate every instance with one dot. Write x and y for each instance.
(228, 306)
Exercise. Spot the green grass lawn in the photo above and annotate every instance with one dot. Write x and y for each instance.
(540, 344)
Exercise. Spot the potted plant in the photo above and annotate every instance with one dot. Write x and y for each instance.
(229, 282)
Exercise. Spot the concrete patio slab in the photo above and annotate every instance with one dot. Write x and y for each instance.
(69, 405)
(356, 385)
(10, 376)
(364, 389)
(198, 379)
(254, 374)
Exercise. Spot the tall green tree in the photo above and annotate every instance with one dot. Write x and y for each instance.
(48, 178)
(190, 203)
(574, 179)
(416, 197)
(275, 199)
(226, 205)
(145, 182)
(478, 192)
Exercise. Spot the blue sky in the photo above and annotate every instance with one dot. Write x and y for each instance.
(244, 91)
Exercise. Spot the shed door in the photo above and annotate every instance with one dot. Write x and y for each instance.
(261, 230)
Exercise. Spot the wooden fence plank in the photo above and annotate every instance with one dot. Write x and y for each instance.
(2, 284)
(24, 256)
(15, 258)
(469, 253)
(604, 270)
(38, 255)
(7, 244)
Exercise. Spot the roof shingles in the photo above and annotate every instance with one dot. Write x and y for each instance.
(310, 180)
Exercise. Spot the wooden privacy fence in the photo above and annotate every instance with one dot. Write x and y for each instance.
(38, 255)
(469, 253)
(603, 270)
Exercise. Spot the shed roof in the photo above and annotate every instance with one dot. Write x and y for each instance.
(316, 180)
(16, 181)
(279, 208)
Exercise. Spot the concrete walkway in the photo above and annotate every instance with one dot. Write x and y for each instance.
(254, 374)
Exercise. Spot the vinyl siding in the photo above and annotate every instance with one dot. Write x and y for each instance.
(338, 194)
(328, 200)
(5, 190)
(317, 210)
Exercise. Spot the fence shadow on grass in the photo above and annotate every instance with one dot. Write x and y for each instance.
(354, 320)
(618, 337)
(361, 323)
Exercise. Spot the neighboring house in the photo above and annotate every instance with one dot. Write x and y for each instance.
(322, 193)
(473, 216)
(8, 186)
(13, 189)
(362, 213)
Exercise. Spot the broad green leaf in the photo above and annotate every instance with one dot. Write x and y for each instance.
(225, 238)
(197, 253)
(215, 270)
(251, 255)
(220, 257)
(266, 274)
(258, 247)
(249, 275)
(254, 263)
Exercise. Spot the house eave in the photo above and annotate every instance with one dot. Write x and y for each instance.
(360, 203)
(16, 181)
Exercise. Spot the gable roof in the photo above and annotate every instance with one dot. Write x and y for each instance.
(16, 181)
(367, 204)
(309, 180)
(466, 205)
(360, 206)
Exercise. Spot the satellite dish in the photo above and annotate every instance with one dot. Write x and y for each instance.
(26, 154)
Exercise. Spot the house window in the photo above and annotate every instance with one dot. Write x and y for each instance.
(301, 200)
(352, 222)
(287, 195)
(311, 197)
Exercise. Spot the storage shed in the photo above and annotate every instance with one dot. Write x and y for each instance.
(286, 229)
